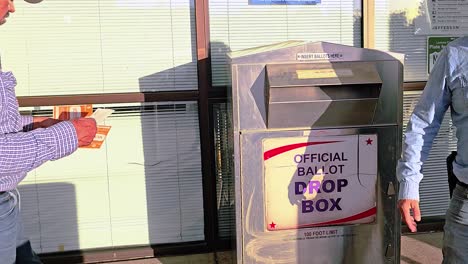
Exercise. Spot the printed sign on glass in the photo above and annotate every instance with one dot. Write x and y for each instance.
(434, 46)
(70, 112)
(442, 17)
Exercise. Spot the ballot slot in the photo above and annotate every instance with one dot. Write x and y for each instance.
(321, 94)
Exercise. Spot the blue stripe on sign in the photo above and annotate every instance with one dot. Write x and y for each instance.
(284, 2)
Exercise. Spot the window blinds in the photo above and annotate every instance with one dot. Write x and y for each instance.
(236, 25)
(394, 31)
(225, 196)
(144, 186)
(105, 46)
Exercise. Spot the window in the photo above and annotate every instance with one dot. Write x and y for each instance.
(236, 25)
(143, 186)
(104, 46)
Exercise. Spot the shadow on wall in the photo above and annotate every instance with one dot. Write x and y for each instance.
(173, 173)
(172, 156)
(49, 213)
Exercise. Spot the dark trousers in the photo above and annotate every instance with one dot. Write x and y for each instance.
(25, 255)
(452, 179)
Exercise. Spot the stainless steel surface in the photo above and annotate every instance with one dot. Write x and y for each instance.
(358, 244)
(391, 189)
(265, 107)
(389, 253)
(304, 90)
(249, 80)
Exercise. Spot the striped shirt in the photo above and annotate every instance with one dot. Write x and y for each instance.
(23, 149)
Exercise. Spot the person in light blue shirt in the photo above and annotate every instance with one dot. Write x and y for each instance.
(447, 87)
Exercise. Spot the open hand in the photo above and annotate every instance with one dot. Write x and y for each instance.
(405, 206)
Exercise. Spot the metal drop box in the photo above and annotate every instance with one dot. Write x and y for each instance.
(317, 134)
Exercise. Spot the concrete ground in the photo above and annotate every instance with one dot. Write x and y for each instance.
(210, 258)
(421, 248)
(415, 249)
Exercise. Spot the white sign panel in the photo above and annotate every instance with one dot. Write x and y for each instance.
(320, 182)
(443, 17)
(434, 46)
(318, 56)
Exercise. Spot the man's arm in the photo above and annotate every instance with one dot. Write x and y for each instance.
(29, 123)
(24, 151)
(422, 128)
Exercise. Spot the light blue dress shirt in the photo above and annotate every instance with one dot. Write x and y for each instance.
(447, 87)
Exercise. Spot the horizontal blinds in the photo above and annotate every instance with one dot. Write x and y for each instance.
(225, 197)
(144, 186)
(104, 46)
(434, 191)
(236, 25)
(394, 31)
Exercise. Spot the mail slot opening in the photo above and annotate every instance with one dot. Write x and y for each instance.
(321, 94)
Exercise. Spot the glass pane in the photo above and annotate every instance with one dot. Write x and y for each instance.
(394, 31)
(236, 25)
(143, 186)
(105, 46)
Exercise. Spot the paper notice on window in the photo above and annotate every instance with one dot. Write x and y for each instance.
(70, 112)
(442, 17)
(98, 140)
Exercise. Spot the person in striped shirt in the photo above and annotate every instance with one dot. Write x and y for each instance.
(27, 142)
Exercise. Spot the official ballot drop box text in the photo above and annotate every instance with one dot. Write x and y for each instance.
(317, 134)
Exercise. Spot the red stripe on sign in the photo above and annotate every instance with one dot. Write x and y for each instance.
(362, 215)
(276, 151)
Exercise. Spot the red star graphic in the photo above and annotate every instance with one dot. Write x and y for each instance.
(369, 141)
(272, 225)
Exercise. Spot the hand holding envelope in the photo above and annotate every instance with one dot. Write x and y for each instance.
(101, 114)
(73, 112)
(85, 130)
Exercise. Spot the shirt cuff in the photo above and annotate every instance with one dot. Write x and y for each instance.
(61, 140)
(409, 190)
(27, 123)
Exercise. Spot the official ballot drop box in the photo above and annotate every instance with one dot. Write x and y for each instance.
(317, 134)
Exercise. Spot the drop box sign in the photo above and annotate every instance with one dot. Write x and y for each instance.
(320, 181)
